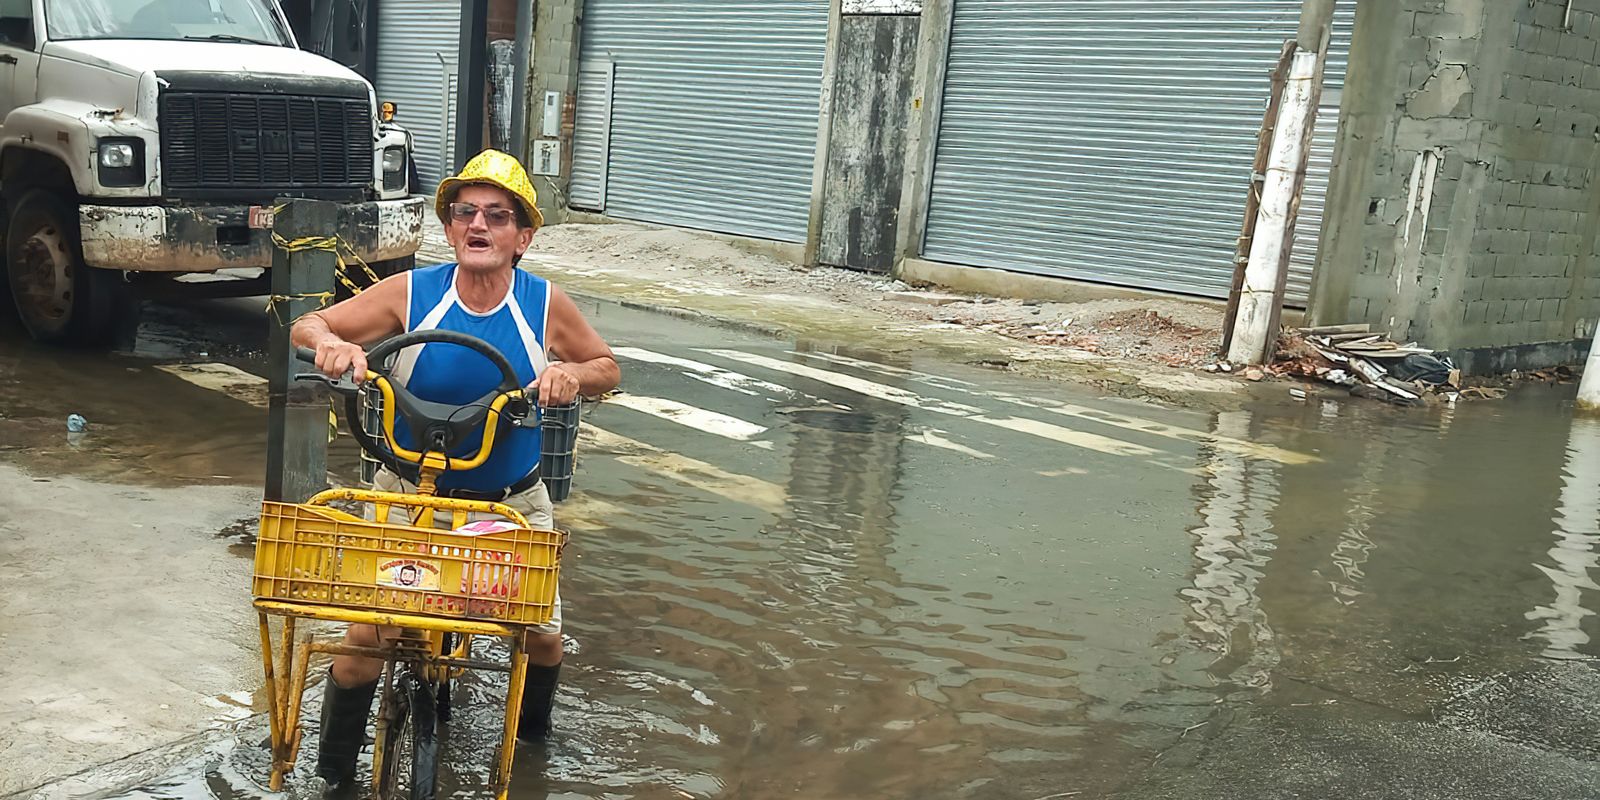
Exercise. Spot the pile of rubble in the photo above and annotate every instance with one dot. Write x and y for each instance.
(1369, 364)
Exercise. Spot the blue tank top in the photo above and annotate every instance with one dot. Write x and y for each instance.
(446, 373)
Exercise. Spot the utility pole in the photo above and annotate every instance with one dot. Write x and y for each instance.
(522, 84)
(472, 74)
(1254, 335)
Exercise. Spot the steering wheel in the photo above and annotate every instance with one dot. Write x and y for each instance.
(437, 427)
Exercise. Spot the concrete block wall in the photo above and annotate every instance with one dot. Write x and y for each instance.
(1463, 207)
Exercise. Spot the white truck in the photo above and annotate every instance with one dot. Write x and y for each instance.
(141, 140)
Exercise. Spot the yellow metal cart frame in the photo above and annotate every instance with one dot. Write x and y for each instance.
(317, 537)
(317, 562)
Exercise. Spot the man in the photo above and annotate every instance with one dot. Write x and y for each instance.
(490, 215)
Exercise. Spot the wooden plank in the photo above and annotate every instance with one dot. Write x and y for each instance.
(1362, 328)
(1378, 378)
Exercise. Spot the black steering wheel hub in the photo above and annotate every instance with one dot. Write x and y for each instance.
(437, 427)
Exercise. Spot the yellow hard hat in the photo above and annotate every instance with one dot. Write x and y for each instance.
(491, 168)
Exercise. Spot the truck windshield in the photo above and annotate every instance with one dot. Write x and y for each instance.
(213, 20)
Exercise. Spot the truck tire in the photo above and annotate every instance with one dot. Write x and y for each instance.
(59, 299)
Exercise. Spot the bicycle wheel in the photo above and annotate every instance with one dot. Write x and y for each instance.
(412, 745)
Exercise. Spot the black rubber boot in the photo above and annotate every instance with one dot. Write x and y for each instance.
(344, 731)
(538, 697)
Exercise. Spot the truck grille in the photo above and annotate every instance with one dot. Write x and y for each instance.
(255, 145)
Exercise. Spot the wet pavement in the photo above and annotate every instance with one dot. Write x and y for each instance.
(799, 571)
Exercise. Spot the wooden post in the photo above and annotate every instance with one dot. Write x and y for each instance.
(1252, 203)
(297, 413)
(1281, 291)
(1275, 228)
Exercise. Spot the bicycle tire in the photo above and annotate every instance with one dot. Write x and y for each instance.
(399, 724)
(413, 731)
(424, 740)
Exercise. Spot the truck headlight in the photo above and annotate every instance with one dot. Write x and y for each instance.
(121, 161)
(394, 168)
(116, 155)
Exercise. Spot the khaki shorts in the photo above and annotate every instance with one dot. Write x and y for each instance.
(534, 504)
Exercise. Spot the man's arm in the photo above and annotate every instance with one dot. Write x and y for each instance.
(338, 333)
(586, 365)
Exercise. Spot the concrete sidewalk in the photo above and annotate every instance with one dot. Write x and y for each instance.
(121, 635)
(1125, 343)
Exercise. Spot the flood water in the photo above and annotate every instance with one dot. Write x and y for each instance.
(925, 580)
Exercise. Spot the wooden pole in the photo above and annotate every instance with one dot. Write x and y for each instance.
(1255, 301)
(297, 414)
(1280, 292)
(1252, 203)
(1275, 224)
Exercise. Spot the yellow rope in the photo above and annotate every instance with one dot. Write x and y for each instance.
(322, 299)
(344, 255)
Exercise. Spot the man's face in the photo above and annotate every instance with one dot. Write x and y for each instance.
(483, 244)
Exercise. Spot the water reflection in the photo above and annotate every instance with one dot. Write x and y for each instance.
(1232, 547)
(1574, 554)
(1355, 546)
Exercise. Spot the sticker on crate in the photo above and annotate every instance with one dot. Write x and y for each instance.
(410, 573)
(486, 526)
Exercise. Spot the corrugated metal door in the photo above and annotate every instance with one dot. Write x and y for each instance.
(713, 113)
(1313, 199)
(591, 136)
(417, 45)
(1103, 140)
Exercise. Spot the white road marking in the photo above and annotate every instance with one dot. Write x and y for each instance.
(715, 376)
(223, 378)
(1070, 436)
(930, 437)
(744, 489)
(697, 418)
(888, 369)
(852, 383)
(1256, 450)
(1044, 430)
(1264, 452)
(586, 512)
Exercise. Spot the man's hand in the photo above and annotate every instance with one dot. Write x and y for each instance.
(557, 386)
(335, 357)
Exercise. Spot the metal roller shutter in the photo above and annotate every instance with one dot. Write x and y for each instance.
(1313, 199)
(714, 111)
(417, 45)
(591, 136)
(1103, 140)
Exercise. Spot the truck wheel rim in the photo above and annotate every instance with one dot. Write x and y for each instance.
(46, 276)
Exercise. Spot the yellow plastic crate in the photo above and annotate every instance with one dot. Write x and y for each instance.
(320, 555)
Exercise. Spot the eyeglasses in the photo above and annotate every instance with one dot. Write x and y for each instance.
(466, 212)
